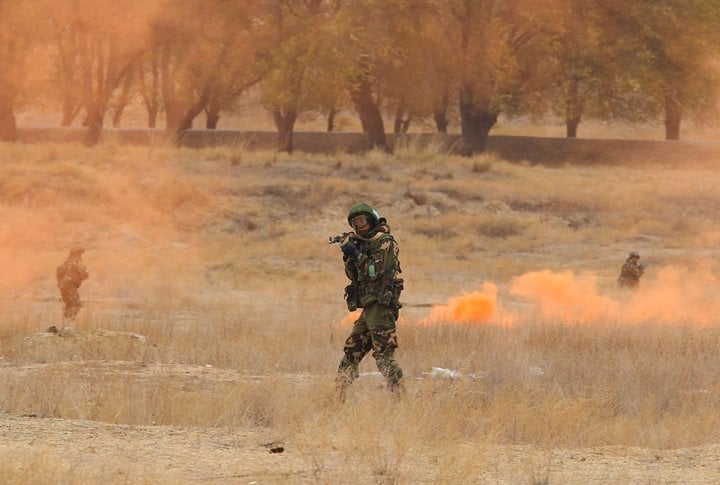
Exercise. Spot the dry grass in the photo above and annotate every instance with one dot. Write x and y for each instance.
(219, 258)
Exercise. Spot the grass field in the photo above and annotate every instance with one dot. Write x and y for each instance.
(214, 305)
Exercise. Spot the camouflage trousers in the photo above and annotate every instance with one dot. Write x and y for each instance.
(71, 299)
(375, 330)
(628, 282)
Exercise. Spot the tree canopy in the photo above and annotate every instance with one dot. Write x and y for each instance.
(450, 62)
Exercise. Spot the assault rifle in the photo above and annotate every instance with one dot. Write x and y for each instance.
(338, 238)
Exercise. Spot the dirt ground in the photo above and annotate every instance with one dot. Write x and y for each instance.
(169, 454)
(79, 405)
(86, 450)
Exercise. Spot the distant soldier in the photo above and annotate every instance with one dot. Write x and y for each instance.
(70, 276)
(631, 271)
(371, 262)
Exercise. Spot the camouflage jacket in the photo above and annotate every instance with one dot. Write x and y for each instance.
(374, 272)
(71, 273)
(630, 273)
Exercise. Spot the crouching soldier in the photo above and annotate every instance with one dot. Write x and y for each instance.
(631, 271)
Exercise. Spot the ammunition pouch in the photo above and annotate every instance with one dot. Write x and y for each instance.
(397, 287)
(352, 297)
(391, 296)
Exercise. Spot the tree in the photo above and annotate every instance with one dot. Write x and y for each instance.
(284, 65)
(414, 83)
(16, 34)
(204, 50)
(98, 42)
(500, 50)
(382, 60)
(148, 82)
(674, 49)
(582, 63)
(591, 67)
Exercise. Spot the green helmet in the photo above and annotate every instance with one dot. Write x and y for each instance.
(364, 209)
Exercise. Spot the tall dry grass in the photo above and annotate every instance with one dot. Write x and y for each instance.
(219, 258)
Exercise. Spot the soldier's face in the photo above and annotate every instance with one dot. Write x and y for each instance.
(360, 223)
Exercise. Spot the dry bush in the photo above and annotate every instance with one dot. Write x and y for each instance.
(500, 226)
(417, 198)
(598, 385)
(241, 312)
(45, 465)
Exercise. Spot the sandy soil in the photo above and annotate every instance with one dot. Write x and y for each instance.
(169, 454)
(174, 454)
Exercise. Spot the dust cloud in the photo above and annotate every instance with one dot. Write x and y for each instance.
(564, 296)
(672, 295)
(475, 307)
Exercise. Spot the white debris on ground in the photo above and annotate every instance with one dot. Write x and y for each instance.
(444, 373)
(535, 371)
(441, 373)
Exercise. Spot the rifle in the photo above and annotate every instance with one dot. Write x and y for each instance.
(338, 238)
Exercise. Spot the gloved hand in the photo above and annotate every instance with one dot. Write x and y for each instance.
(350, 250)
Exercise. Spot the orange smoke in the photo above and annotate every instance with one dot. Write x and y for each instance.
(477, 307)
(351, 317)
(563, 295)
(677, 295)
(670, 295)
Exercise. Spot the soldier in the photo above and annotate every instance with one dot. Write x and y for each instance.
(70, 276)
(371, 262)
(631, 271)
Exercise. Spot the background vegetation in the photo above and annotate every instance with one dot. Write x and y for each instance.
(453, 63)
(215, 302)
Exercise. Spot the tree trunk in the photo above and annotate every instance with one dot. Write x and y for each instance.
(573, 109)
(285, 123)
(173, 115)
(475, 125)
(673, 117)
(571, 126)
(181, 125)
(93, 135)
(440, 114)
(213, 116)
(152, 116)
(8, 128)
(70, 111)
(402, 123)
(370, 117)
(178, 125)
(124, 97)
(150, 93)
(331, 120)
(441, 122)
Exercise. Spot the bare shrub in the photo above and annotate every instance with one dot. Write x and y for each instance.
(243, 312)
(418, 198)
(500, 226)
(482, 166)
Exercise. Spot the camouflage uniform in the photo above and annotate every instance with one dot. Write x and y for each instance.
(631, 272)
(374, 288)
(70, 275)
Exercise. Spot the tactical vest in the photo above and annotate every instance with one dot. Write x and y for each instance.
(374, 273)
